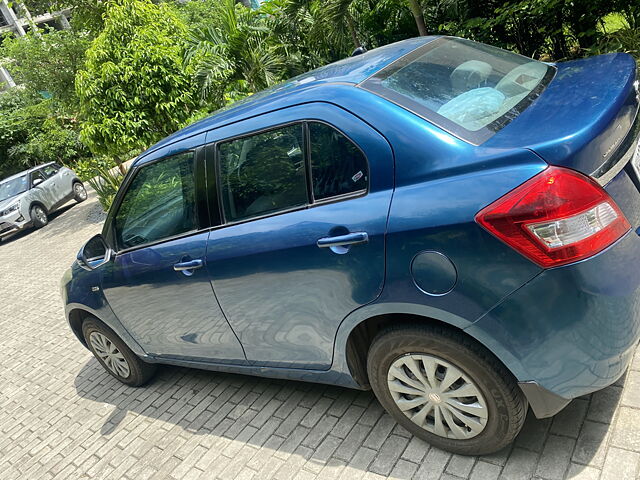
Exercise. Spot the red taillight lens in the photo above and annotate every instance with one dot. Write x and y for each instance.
(557, 217)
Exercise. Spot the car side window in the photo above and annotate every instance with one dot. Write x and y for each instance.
(159, 203)
(263, 173)
(338, 167)
(50, 170)
(37, 175)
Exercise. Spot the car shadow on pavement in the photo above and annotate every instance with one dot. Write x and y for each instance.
(326, 426)
(55, 226)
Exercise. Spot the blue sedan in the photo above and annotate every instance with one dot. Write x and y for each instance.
(449, 224)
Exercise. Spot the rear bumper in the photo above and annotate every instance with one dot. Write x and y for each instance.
(571, 330)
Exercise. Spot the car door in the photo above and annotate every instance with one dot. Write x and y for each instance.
(42, 188)
(59, 185)
(157, 285)
(304, 193)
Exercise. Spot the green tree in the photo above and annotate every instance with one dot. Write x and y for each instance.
(31, 133)
(134, 89)
(234, 56)
(47, 63)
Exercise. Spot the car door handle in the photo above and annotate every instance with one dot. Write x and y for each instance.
(186, 266)
(342, 240)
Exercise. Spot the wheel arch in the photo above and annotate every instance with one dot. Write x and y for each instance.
(33, 203)
(76, 316)
(361, 335)
(77, 313)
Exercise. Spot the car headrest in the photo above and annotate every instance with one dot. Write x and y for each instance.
(469, 75)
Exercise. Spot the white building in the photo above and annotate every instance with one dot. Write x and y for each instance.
(16, 18)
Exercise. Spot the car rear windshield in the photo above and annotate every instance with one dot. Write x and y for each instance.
(470, 89)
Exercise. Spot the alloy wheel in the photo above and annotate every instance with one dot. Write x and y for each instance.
(40, 215)
(79, 191)
(107, 351)
(437, 396)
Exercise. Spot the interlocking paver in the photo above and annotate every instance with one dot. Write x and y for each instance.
(63, 417)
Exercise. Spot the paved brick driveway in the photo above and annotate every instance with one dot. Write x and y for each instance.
(61, 416)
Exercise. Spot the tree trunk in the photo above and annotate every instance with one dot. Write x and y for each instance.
(416, 10)
(352, 31)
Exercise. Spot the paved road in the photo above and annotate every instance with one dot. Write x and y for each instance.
(61, 416)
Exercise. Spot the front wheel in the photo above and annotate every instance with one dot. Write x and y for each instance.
(39, 216)
(446, 389)
(114, 355)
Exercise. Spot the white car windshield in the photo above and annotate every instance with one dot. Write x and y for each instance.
(11, 188)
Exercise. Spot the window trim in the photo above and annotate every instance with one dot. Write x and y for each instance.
(311, 201)
(110, 232)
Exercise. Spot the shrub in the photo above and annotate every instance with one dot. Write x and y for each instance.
(106, 184)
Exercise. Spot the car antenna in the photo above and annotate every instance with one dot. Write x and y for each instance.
(359, 51)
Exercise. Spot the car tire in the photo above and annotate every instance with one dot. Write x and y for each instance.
(114, 355)
(39, 216)
(490, 390)
(79, 192)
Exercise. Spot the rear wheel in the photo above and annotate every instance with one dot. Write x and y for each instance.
(446, 389)
(79, 192)
(39, 216)
(114, 355)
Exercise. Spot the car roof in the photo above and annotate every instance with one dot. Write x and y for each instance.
(24, 172)
(351, 70)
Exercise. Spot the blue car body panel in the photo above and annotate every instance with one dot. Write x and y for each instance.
(284, 296)
(279, 306)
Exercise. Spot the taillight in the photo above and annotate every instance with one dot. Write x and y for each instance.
(557, 217)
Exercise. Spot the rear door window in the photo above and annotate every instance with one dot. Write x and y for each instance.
(338, 166)
(50, 170)
(263, 173)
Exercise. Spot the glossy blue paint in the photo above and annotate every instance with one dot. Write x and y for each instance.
(569, 128)
(433, 273)
(283, 295)
(270, 302)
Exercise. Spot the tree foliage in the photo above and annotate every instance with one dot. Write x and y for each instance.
(134, 88)
(32, 133)
(48, 62)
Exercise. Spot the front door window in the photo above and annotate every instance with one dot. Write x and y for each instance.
(159, 203)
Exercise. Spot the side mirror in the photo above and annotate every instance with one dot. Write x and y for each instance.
(94, 253)
(37, 182)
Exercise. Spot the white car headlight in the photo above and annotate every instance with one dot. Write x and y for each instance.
(11, 209)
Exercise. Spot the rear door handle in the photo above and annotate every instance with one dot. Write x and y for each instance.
(342, 240)
(186, 267)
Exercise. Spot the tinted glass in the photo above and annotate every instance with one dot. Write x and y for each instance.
(36, 175)
(472, 85)
(263, 173)
(50, 170)
(159, 203)
(338, 167)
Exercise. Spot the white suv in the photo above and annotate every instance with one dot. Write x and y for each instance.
(28, 198)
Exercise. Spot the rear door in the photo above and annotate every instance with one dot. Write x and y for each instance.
(44, 191)
(56, 183)
(304, 195)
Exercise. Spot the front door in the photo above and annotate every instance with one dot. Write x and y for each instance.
(305, 204)
(157, 284)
